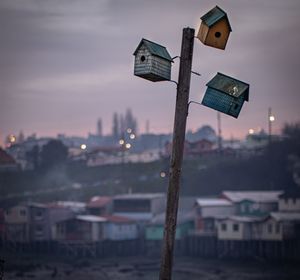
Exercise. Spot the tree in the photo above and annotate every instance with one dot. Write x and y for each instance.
(53, 153)
(115, 126)
(33, 156)
(130, 121)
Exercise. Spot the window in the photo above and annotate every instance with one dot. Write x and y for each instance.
(39, 214)
(295, 201)
(235, 227)
(23, 212)
(277, 228)
(39, 230)
(270, 228)
(242, 207)
(223, 227)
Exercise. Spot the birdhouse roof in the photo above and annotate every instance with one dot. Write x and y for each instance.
(213, 16)
(230, 86)
(154, 49)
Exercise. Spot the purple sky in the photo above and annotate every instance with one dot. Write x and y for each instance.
(66, 63)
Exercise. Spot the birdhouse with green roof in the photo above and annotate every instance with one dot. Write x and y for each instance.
(152, 61)
(226, 94)
(214, 29)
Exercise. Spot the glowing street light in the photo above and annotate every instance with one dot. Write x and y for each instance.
(12, 138)
(162, 174)
(83, 146)
(251, 131)
(132, 136)
(271, 119)
(127, 145)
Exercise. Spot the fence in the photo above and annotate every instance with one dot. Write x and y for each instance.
(192, 246)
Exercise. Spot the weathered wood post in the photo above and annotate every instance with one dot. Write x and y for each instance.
(181, 112)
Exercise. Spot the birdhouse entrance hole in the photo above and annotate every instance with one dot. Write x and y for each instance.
(143, 58)
(218, 34)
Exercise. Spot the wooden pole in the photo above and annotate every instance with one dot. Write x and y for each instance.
(181, 113)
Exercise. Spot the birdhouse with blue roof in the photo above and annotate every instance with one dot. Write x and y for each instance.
(226, 94)
(214, 29)
(152, 61)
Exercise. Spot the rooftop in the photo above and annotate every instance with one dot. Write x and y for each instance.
(99, 201)
(229, 86)
(91, 218)
(291, 193)
(213, 16)
(244, 219)
(5, 158)
(154, 49)
(286, 216)
(213, 202)
(135, 196)
(256, 196)
(117, 219)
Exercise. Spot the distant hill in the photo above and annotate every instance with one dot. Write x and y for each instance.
(274, 169)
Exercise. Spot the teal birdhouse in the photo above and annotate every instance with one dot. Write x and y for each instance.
(152, 61)
(226, 94)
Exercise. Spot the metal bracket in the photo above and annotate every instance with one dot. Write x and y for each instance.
(173, 82)
(190, 103)
(196, 73)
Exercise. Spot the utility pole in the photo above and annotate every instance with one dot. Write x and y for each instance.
(219, 132)
(181, 112)
(271, 119)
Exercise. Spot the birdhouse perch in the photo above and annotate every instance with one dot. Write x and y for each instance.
(226, 94)
(152, 61)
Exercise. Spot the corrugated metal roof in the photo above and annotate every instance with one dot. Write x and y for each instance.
(213, 16)
(245, 219)
(213, 202)
(5, 158)
(286, 216)
(99, 201)
(291, 193)
(140, 196)
(90, 218)
(117, 219)
(229, 85)
(256, 196)
(155, 49)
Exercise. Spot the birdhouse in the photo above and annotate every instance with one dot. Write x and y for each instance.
(152, 62)
(226, 94)
(214, 29)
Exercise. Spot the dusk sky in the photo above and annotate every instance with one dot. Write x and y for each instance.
(66, 63)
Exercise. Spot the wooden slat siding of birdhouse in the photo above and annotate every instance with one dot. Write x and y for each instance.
(217, 101)
(222, 102)
(223, 28)
(202, 33)
(140, 67)
(236, 106)
(161, 67)
(154, 68)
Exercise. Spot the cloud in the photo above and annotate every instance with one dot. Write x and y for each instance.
(55, 53)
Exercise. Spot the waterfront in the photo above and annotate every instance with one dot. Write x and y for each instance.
(134, 268)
